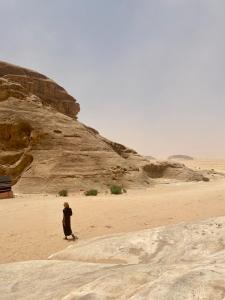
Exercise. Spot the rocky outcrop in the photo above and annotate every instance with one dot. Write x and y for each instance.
(184, 261)
(16, 170)
(170, 170)
(45, 148)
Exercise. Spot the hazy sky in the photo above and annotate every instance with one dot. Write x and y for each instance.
(147, 73)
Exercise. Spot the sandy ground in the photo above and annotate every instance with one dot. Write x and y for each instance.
(31, 224)
(206, 164)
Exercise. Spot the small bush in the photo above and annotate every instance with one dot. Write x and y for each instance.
(63, 193)
(206, 179)
(116, 189)
(91, 192)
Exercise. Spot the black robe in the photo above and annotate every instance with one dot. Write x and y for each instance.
(67, 213)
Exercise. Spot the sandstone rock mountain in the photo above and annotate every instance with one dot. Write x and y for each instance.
(44, 148)
(184, 261)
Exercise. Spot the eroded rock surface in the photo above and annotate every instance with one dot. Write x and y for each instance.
(45, 148)
(184, 261)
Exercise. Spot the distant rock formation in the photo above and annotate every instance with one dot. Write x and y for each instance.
(149, 157)
(44, 148)
(180, 157)
(165, 169)
(184, 261)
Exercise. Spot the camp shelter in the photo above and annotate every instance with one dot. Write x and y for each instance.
(5, 187)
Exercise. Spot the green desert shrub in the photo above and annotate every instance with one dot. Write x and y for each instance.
(116, 189)
(63, 193)
(91, 192)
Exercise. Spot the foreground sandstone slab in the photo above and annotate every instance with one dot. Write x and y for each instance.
(184, 261)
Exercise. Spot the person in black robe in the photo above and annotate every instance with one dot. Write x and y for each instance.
(67, 213)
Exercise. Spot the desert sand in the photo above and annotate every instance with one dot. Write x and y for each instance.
(207, 164)
(31, 224)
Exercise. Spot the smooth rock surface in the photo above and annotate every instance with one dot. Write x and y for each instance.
(184, 261)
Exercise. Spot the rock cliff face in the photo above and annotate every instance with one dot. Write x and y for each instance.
(184, 261)
(44, 148)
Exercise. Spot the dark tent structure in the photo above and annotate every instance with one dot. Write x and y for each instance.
(5, 187)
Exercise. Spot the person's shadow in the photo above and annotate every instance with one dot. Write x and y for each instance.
(72, 240)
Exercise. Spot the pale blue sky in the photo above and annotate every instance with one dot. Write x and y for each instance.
(148, 74)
